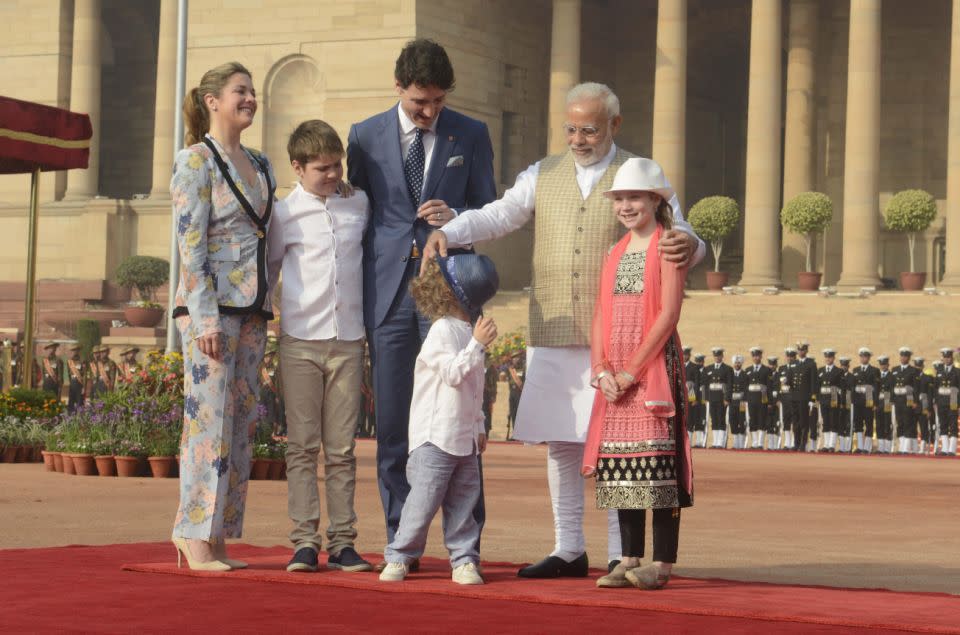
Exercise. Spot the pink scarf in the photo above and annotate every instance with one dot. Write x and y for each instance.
(652, 368)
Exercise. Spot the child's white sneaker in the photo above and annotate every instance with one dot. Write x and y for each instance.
(394, 572)
(467, 574)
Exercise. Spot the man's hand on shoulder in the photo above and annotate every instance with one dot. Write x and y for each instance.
(678, 247)
(344, 189)
(436, 245)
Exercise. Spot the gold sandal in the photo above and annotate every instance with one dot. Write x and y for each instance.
(616, 579)
(648, 578)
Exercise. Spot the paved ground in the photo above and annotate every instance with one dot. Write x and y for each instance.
(812, 519)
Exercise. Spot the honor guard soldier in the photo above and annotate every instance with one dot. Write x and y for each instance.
(773, 416)
(127, 370)
(788, 415)
(905, 404)
(758, 386)
(866, 390)
(828, 387)
(738, 404)
(948, 387)
(691, 373)
(79, 374)
(699, 416)
(845, 442)
(716, 385)
(104, 372)
(925, 414)
(885, 407)
(804, 378)
(51, 370)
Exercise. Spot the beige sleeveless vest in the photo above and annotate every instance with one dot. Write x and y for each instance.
(571, 236)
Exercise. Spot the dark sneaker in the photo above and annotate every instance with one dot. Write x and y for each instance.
(348, 560)
(305, 560)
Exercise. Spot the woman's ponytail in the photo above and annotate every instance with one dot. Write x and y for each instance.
(196, 117)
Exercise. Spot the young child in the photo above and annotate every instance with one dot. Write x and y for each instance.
(446, 417)
(637, 445)
(315, 239)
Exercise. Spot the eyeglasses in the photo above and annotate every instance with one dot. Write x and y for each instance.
(589, 132)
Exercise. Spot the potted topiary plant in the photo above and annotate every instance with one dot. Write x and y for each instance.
(145, 274)
(808, 214)
(911, 212)
(713, 218)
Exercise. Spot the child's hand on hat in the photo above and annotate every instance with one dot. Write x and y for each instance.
(481, 443)
(485, 331)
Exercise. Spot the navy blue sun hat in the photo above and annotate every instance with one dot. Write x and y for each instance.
(473, 279)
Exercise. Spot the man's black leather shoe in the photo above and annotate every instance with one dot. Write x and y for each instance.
(554, 567)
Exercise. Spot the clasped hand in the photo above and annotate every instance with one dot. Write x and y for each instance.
(614, 386)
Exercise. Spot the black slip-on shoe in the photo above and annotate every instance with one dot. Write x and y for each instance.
(554, 567)
(348, 560)
(303, 561)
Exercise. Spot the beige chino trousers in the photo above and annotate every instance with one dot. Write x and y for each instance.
(321, 392)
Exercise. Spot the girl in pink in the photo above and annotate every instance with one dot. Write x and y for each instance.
(637, 446)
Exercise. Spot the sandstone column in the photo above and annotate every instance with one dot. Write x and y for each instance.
(165, 98)
(798, 144)
(670, 92)
(85, 93)
(951, 277)
(761, 252)
(564, 67)
(861, 161)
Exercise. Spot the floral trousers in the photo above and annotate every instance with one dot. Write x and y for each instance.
(219, 421)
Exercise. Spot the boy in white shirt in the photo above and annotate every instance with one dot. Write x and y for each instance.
(446, 417)
(315, 239)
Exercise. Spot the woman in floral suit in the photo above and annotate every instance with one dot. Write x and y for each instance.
(222, 198)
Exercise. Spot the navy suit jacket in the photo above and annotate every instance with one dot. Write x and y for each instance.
(460, 174)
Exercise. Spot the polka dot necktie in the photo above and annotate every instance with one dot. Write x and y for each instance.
(413, 167)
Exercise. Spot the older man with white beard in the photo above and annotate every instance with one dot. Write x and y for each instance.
(575, 227)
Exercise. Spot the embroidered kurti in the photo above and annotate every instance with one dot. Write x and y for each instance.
(636, 468)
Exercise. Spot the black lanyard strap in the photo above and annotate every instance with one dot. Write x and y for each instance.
(260, 222)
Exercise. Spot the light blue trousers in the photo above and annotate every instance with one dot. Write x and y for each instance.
(439, 480)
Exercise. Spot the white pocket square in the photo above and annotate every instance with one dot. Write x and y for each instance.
(455, 162)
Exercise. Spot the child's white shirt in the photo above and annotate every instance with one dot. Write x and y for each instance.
(446, 409)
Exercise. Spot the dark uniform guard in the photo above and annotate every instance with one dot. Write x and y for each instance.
(829, 384)
(845, 442)
(926, 418)
(758, 387)
(738, 404)
(948, 388)
(803, 377)
(716, 385)
(774, 421)
(885, 407)
(691, 374)
(866, 391)
(104, 372)
(699, 415)
(905, 389)
(51, 370)
(788, 413)
(79, 374)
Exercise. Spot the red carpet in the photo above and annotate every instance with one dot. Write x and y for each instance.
(86, 589)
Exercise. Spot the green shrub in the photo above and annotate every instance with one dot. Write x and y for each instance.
(88, 335)
(713, 218)
(144, 273)
(807, 214)
(911, 212)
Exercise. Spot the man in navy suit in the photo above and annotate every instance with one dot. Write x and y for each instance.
(419, 163)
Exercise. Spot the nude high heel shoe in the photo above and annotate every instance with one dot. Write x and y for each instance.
(184, 550)
(220, 553)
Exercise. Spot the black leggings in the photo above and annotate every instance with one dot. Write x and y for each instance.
(666, 533)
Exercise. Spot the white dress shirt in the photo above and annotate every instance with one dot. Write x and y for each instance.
(446, 409)
(515, 208)
(408, 134)
(316, 244)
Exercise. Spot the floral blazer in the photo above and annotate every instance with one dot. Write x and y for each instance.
(222, 245)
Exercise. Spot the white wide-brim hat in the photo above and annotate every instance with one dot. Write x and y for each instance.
(641, 175)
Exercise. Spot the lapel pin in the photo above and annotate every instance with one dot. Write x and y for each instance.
(450, 138)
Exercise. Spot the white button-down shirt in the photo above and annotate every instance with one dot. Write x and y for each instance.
(408, 134)
(446, 409)
(515, 208)
(316, 245)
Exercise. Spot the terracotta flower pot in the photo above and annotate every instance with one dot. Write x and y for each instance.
(38, 454)
(283, 471)
(10, 453)
(161, 466)
(717, 280)
(142, 316)
(128, 465)
(57, 461)
(260, 470)
(25, 454)
(808, 280)
(48, 461)
(106, 466)
(84, 465)
(276, 467)
(68, 467)
(912, 280)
